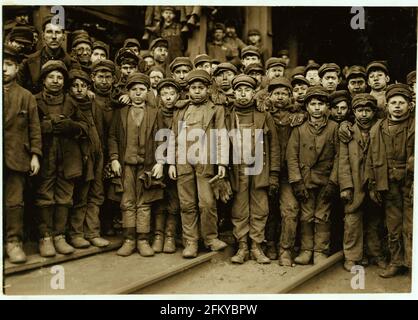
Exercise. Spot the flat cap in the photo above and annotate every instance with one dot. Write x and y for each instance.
(338, 96)
(316, 91)
(103, 65)
(159, 42)
(312, 66)
(254, 67)
(101, 45)
(22, 34)
(171, 8)
(356, 71)
(135, 78)
(253, 32)
(218, 26)
(145, 54)
(126, 55)
(201, 58)
(10, 52)
(274, 62)
(363, 99)
(283, 52)
(299, 70)
(243, 79)
(377, 65)
(299, 78)
(215, 61)
(53, 65)
(250, 50)
(48, 19)
(131, 42)
(81, 38)
(181, 61)
(168, 82)
(328, 67)
(225, 66)
(398, 89)
(79, 74)
(198, 75)
(411, 77)
(279, 82)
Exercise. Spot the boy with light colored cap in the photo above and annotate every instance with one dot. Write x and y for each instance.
(100, 51)
(390, 174)
(193, 175)
(363, 218)
(132, 151)
(250, 205)
(312, 159)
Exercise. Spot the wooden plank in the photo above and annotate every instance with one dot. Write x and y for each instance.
(36, 261)
(310, 273)
(187, 264)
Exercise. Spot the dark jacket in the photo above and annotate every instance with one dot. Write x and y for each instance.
(312, 154)
(70, 146)
(271, 150)
(22, 131)
(118, 138)
(30, 70)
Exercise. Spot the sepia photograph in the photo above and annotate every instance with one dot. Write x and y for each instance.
(207, 150)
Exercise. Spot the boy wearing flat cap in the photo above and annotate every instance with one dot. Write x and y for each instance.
(356, 80)
(249, 55)
(330, 76)
(63, 128)
(378, 80)
(285, 116)
(132, 150)
(312, 159)
(21, 153)
(363, 218)
(223, 93)
(311, 74)
(127, 61)
(159, 50)
(299, 87)
(100, 51)
(203, 61)
(167, 210)
(254, 38)
(250, 205)
(193, 175)
(218, 49)
(389, 171)
(340, 102)
(180, 68)
(256, 71)
(88, 191)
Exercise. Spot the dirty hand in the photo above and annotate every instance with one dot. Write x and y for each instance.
(172, 172)
(124, 99)
(345, 132)
(116, 168)
(34, 165)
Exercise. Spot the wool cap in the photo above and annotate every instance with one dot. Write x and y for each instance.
(338, 96)
(274, 62)
(181, 61)
(135, 78)
(377, 65)
(356, 71)
(225, 66)
(363, 99)
(198, 74)
(243, 79)
(201, 58)
(168, 82)
(103, 65)
(279, 82)
(329, 67)
(316, 91)
(398, 89)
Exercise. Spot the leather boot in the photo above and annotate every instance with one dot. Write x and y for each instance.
(258, 254)
(99, 242)
(349, 264)
(79, 243)
(271, 251)
(129, 244)
(307, 243)
(158, 243)
(46, 247)
(170, 232)
(15, 252)
(285, 257)
(216, 244)
(190, 249)
(62, 246)
(143, 246)
(242, 254)
(390, 272)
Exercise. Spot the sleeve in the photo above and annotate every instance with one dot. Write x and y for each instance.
(334, 173)
(292, 156)
(222, 137)
(274, 145)
(113, 136)
(345, 178)
(35, 135)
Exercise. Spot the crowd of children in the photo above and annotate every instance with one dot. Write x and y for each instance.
(84, 130)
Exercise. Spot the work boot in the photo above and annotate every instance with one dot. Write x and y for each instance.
(242, 254)
(285, 258)
(190, 249)
(390, 272)
(380, 262)
(144, 248)
(322, 238)
(349, 264)
(304, 257)
(46, 247)
(127, 248)
(271, 251)
(169, 245)
(170, 232)
(99, 242)
(319, 257)
(216, 244)
(15, 252)
(258, 254)
(158, 243)
(79, 243)
(62, 246)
